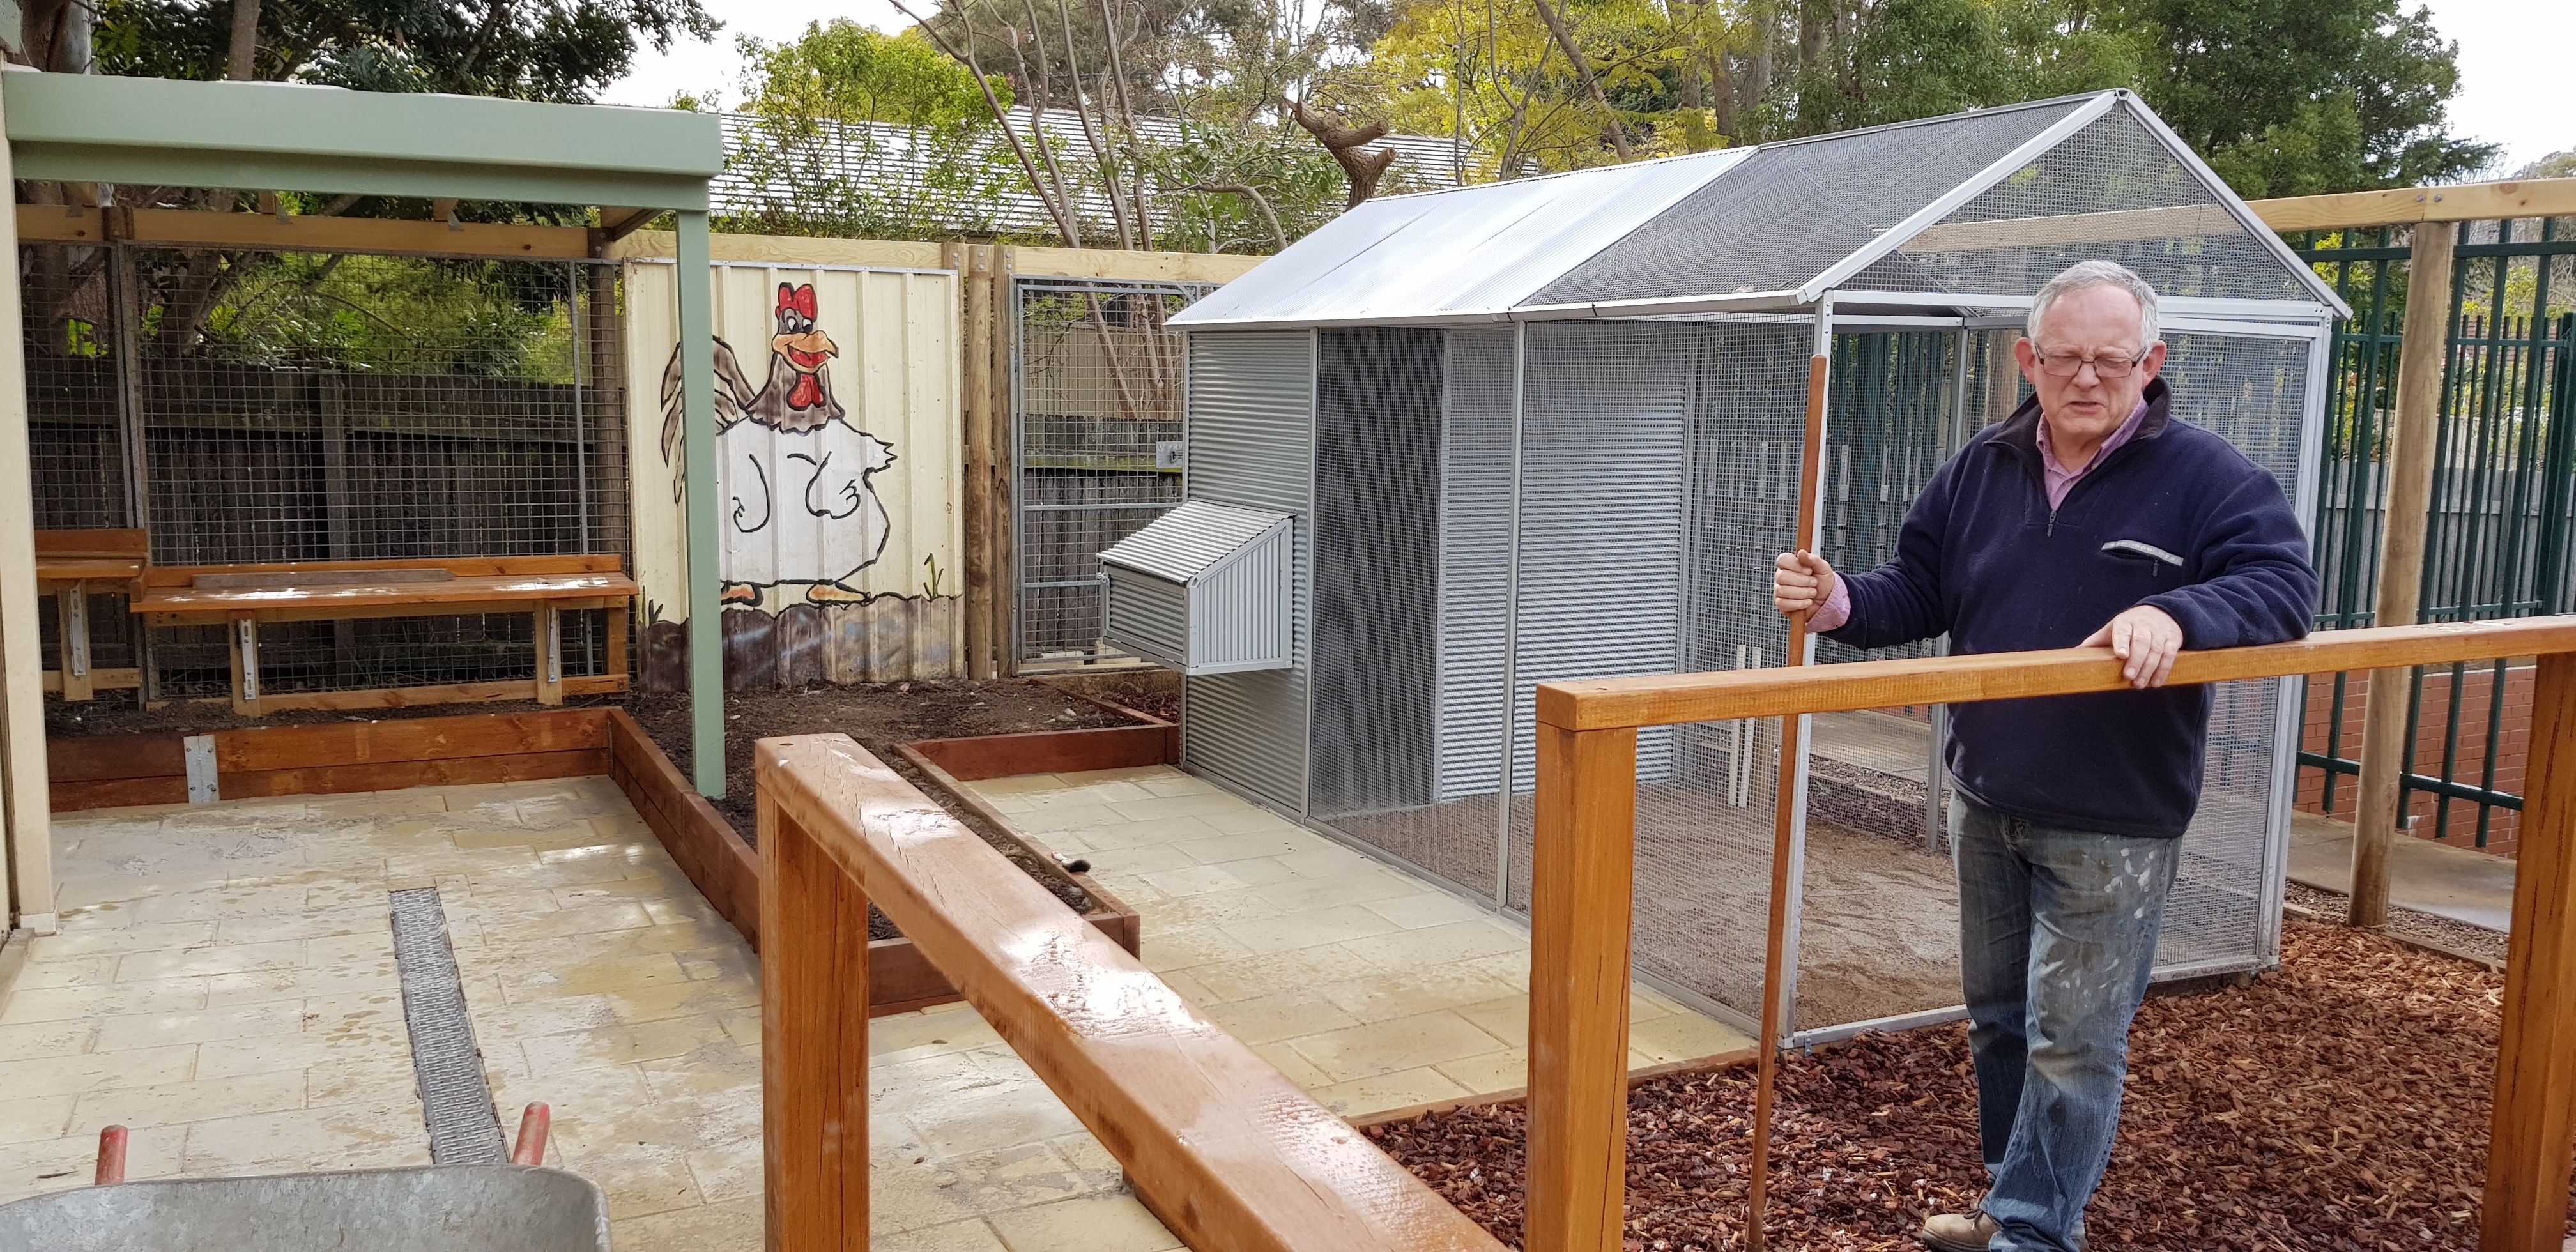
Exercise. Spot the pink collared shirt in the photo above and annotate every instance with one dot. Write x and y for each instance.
(2053, 475)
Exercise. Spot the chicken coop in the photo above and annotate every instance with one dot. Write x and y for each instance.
(1552, 429)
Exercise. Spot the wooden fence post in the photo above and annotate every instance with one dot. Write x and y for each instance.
(2532, 1137)
(977, 490)
(1583, 875)
(2411, 448)
(1005, 459)
(813, 1040)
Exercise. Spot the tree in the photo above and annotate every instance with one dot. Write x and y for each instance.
(869, 134)
(558, 50)
(2297, 97)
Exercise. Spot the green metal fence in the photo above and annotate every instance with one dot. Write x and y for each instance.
(2497, 538)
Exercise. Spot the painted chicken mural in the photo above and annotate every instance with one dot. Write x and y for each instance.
(793, 469)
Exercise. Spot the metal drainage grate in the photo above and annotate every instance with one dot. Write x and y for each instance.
(464, 1128)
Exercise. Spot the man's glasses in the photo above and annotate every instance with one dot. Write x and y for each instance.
(2068, 366)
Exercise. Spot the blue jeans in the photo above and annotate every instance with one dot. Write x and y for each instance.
(2057, 935)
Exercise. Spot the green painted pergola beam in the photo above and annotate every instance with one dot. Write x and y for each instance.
(290, 137)
(287, 137)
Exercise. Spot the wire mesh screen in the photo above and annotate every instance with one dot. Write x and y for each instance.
(2252, 391)
(1377, 570)
(1791, 210)
(1096, 410)
(2110, 191)
(293, 408)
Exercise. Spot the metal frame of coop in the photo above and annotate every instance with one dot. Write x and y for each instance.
(1550, 429)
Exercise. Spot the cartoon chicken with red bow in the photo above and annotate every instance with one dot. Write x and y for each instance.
(794, 471)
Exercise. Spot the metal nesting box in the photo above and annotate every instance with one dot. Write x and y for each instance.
(1203, 589)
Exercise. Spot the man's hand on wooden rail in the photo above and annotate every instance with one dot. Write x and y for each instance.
(2147, 638)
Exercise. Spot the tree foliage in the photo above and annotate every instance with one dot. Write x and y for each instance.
(2284, 97)
(560, 50)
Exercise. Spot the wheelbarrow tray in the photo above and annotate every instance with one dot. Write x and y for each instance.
(433, 1208)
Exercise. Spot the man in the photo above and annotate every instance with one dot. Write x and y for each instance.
(2090, 518)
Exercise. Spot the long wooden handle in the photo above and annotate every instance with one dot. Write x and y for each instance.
(1804, 538)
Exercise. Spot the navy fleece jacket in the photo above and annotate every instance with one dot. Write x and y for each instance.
(2176, 518)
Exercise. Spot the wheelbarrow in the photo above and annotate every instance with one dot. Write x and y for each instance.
(518, 1207)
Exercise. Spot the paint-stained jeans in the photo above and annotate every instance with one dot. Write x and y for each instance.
(2057, 935)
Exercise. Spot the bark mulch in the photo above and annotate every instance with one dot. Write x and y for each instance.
(2338, 1104)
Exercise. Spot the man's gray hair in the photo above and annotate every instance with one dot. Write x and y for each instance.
(2085, 274)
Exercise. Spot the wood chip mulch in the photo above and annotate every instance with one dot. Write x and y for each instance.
(2339, 1103)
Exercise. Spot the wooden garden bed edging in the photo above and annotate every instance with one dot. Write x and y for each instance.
(1054, 751)
(329, 758)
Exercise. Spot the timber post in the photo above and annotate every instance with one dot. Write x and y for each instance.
(2532, 1136)
(813, 1038)
(2412, 447)
(977, 283)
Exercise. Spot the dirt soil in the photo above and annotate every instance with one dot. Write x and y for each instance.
(2336, 1104)
(1153, 692)
(879, 716)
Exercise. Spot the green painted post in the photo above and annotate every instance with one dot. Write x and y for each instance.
(698, 444)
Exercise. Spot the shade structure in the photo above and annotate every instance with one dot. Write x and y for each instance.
(1972, 210)
(1552, 430)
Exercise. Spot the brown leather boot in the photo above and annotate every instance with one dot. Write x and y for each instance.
(1958, 1232)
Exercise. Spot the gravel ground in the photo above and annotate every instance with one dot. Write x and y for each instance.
(2442, 932)
(2337, 1104)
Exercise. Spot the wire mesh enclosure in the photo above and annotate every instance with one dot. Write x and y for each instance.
(1571, 449)
(252, 409)
(1096, 376)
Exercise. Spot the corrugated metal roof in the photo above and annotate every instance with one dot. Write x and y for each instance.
(1474, 250)
(1764, 227)
(1186, 541)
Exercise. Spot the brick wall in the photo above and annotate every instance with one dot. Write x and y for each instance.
(2475, 695)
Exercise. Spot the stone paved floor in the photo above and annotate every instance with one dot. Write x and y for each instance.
(1370, 987)
(224, 985)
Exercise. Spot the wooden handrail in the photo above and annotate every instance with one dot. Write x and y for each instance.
(1671, 699)
(1583, 867)
(1223, 1148)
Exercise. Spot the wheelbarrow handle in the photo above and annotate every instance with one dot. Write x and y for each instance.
(111, 1156)
(533, 1125)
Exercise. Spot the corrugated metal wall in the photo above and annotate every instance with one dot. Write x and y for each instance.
(1604, 436)
(1377, 569)
(829, 509)
(1250, 427)
(1149, 614)
(1475, 561)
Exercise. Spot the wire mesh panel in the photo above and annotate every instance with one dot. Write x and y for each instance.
(1377, 569)
(291, 407)
(2252, 391)
(1791, 210)
(2110, 191)
(1096, 410)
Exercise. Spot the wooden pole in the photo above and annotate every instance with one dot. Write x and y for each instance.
(1005, 458)
(1583, 883)
(977, 490)
(1785, 820)
(813, 1041)
(2411, 451)
(2533, 1132)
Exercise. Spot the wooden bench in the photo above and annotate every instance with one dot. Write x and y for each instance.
(244, 597)
(70, 565)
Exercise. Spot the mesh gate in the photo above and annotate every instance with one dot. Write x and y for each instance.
(1096, 399)
(258, 408)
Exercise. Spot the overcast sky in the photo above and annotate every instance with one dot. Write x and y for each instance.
(2514, 56)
